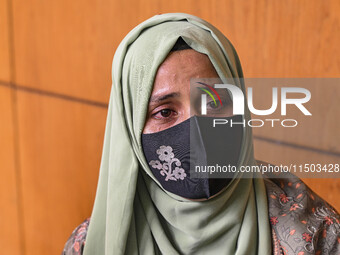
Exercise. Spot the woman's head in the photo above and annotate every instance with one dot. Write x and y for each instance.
(141, 59)
(151, 74)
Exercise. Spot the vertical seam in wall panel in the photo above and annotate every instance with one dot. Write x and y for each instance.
(18, 175)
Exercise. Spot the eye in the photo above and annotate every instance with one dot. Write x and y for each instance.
(212, 105)
(224, 109)
(164, 114)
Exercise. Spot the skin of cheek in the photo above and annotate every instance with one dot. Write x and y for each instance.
(173, 77)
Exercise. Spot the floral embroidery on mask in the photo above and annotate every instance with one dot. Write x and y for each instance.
(171, 168)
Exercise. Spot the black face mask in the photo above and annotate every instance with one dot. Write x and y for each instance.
(171, 154)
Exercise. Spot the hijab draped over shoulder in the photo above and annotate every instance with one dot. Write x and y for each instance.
(132, 213)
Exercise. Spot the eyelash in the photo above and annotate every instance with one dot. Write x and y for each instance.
(173, 113)
(162, 117)
(225, 103)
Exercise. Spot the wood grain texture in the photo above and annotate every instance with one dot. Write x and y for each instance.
(282, 39)
(9, 223)
(4, 42)
(319, 131)
(63, 44)
(60, 151)
(326, 188)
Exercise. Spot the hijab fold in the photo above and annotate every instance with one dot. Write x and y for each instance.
(132, 213)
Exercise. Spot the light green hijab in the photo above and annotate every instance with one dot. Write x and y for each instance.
(132, 213)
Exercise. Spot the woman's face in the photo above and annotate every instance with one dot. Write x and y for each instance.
(169, 103)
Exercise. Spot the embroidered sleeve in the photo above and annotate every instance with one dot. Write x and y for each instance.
(301, 221)
(75, 243)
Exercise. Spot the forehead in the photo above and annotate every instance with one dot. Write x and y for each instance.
(181, 66)
(185, 60)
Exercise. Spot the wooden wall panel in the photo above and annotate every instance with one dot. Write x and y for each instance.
(4, 42)
(319, 131)
(65, 46)
(326, 188)
(60, 143)
(60, 45)
(282, 39)
(9, 205)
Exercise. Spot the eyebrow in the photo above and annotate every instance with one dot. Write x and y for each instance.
(158, 99)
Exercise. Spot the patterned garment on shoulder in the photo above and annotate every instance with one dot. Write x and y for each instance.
(302, 223)
(75, 243)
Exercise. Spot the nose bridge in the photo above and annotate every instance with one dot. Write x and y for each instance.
(193, 111)
(192, 97)
(187, 111)
(189, 107)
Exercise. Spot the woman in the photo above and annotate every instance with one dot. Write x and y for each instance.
(141, 210)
